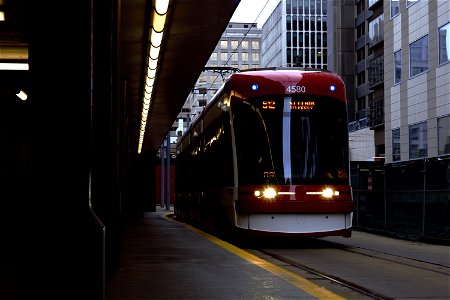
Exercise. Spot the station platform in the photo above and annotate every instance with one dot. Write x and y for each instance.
(165, 259)
(162, 258)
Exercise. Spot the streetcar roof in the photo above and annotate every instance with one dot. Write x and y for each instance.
(276, 81)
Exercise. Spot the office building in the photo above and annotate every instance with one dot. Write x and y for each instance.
(295, 34)
(401, 104)
(238, 49)
(417, 79)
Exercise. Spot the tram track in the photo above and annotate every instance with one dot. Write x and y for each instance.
(373, 272)
(398, 259)
(335, 280)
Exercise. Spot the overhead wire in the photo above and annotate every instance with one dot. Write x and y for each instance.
(240, 42)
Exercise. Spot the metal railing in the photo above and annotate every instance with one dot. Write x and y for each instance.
(405, 199)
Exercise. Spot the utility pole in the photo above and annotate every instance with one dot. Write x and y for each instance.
(168, 172)
(162, 152)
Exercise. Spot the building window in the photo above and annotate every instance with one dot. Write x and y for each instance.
(223, 44)
(297, 23)
(444, 135)
(444, 43)
(398, 66)
(360, 7)
(361, 30)
(418, 140)
(410, 2)
(376, 71)
(255, 44)
(255, 57)
(244, 44)
(244, 56)
(213, 56)
(372, 2)
(224, 56)
(376, 34)
(361, 78)
(396, 144)
(395, 8)
(361, 105)
(234, 44)
(418, 56)
(234, 56)
(360, 54)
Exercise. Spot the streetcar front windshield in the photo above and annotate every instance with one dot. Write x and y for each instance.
(294, 139)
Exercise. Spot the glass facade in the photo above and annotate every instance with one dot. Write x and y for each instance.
(306, 33)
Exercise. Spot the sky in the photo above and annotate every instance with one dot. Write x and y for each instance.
(248, 11)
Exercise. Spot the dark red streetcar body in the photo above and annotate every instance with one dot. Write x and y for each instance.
(269, 155)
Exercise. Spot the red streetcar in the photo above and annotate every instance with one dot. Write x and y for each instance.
(269, 156)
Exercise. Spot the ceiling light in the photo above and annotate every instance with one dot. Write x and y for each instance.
(154, 52)
(14, 66)
(22, 95)
(152, 63)
(155, 38)
(158, 21)
(161, 6)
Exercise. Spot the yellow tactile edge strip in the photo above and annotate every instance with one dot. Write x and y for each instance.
(297, 280)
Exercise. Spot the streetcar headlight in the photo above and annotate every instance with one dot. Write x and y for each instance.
(328, 193)
(268, 193)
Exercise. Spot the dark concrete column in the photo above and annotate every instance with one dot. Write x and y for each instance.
(60, 247)
(107, 112)
(141, 184)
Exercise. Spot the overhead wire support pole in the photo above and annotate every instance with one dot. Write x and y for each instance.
(168, 173)
(162, 152)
